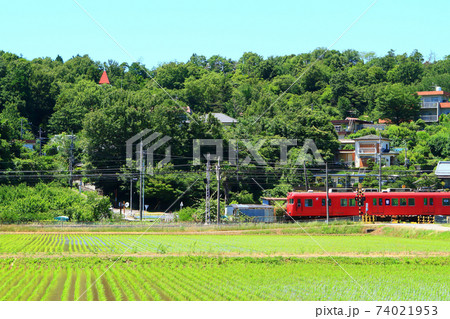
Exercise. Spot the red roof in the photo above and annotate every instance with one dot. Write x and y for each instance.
(430, 93)
(104, 79)
(445, 105)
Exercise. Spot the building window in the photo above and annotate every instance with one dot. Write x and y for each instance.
(308, 202)
(343, 202)
(411, 202)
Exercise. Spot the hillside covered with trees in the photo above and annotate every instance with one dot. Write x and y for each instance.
(292, 96)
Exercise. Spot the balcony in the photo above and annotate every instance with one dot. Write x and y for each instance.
(429, 105)
(429, 118)
(368, 150)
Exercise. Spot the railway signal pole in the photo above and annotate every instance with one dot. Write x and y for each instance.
(379, 165)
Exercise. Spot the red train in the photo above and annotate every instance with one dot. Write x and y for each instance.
(384, 205)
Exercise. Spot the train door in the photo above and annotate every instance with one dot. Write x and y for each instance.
(298, 206)
(431, 205)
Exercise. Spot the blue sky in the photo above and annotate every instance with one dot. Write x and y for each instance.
(155, 32)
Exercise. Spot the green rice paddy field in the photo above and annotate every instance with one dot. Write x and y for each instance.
(215, 244)
(47, 266)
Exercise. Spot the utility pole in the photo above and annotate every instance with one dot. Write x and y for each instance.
(218, 190)
(71, 160)
(326, 190)
(208, 194)
(379, 165)
(131, 194)
(237, 161)
(306, 178)
(40, 141)
(141, 180)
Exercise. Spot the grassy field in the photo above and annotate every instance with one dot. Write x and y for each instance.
(217, 244)
(250, 262)
(206, 278)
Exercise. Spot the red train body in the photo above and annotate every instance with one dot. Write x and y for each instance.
(391, 204)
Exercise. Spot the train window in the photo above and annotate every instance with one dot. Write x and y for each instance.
(299, 203)
(387, 201)
(446, 202)
(323, 201)
(431, 202)
(425, 201)
(411, 202)
(395, 202)
(291, 201)
(352, 202)
(402, 201)
(380, 201)
(344, 202)
(374, 202)
(308, 202)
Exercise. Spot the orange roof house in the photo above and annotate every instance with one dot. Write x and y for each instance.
(104, 79)
(433, 104)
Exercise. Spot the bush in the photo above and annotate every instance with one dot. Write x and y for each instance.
(46, 201)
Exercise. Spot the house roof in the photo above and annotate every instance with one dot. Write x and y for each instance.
(431, 93)
(223, 118)
(104, 79)
(445, 105)
(371, 137)
(443, 169)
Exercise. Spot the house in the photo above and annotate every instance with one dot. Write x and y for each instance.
(433, 104)
(443, 172)
(224, 119)
(348, 126)
(359, 151)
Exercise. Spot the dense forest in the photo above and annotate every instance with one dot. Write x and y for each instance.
(293, 96)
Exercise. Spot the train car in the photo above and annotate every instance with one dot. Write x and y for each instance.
(384, 205)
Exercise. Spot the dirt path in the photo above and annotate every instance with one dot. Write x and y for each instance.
(435, 227)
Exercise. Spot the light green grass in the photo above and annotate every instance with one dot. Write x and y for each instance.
(202, 278)
(213, 244)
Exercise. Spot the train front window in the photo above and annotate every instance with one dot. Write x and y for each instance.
(291, 201)
(352, 202)
(299, 203)
(402, 201)
(446, 202)
(343, 202)
(411, 202)
(395, 202)
(308, 202)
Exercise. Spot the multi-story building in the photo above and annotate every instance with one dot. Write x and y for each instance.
(433, 104)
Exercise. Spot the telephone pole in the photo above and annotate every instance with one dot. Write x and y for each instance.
(71, 160)
(326, 190)
(141, 180)
(218, 190)
(40, 141)
(306, 178)
(208, 194)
